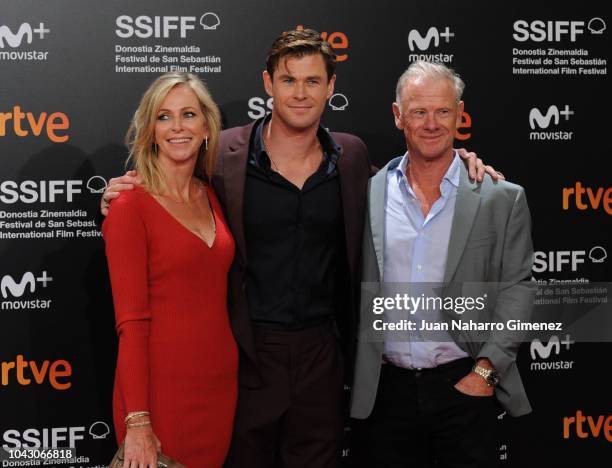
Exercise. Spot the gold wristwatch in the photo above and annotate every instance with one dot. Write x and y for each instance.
(491, 376)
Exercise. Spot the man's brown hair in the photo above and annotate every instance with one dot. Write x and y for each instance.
(299, 43)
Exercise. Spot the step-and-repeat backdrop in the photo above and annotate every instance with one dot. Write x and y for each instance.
(71, 73)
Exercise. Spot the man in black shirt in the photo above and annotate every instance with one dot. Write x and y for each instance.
(295, 198)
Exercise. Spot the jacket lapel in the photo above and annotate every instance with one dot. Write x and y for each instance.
(466, 209)
(376, 205)
(346, 176)
(234, 174)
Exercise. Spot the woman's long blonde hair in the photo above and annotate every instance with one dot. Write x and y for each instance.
(140, 137)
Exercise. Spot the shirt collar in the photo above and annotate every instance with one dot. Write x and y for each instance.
(450, 177)
(259, 157)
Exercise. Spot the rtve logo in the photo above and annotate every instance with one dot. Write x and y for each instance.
(596, 426)
(539, 120)
(24, 123)
(559, 260)
(28, 281)
(23, 372)
(418, 42)
(466, 122)
(14, 40)
(163, 26)
(337, 40)
(596, 198)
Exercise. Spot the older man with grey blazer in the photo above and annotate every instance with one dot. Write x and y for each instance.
(434, 401)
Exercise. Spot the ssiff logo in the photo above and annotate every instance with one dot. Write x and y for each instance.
(539, 121)
(418, 42)
(560, 260)
(555, 31)
(43, 191)
(338, 102)
(163, 26)
(544, 351)
(49, 437)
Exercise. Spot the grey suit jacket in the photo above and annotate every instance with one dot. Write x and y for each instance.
(490, 242)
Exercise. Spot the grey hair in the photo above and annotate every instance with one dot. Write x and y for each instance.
(422, 70)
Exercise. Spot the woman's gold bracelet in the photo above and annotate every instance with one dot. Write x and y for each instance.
(140, 424)
(135, 414)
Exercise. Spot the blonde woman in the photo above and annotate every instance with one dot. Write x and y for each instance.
(169, 251)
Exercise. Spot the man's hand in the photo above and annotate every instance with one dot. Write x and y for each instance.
(476, 168)
(473, 384)
(117, 185)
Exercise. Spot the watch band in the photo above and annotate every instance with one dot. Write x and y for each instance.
(489, 375)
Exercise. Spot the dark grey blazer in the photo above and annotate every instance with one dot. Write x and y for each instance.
(490, 242)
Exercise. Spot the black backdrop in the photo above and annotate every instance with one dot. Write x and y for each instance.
(71, 74)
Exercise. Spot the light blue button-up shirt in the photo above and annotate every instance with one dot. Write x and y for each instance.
(416, 247)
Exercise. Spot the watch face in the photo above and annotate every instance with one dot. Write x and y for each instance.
(493, 378)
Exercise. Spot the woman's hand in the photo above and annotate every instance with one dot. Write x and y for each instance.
(141, 448)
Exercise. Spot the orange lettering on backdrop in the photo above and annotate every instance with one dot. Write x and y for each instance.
(466, 122)
(39, 374)
(595, 426)
(26, 122)
(17, 116)
(4, 117)
(22, 365)
(567, 192)
(567, 424)
(57, 372)
(6, 367)
(595, 197)
(61, 124)
(37, 126)
(337, 41)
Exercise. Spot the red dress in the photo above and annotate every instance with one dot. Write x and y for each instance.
(177, 355)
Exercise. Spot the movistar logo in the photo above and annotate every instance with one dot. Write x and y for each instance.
(416, 41)
(25, 31)
(539, 120)
(544, 351)
(27, 282)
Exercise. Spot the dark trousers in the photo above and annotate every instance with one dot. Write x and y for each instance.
(421, 421)
(296, 418)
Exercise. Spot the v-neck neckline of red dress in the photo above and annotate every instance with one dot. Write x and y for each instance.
(176, 221)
